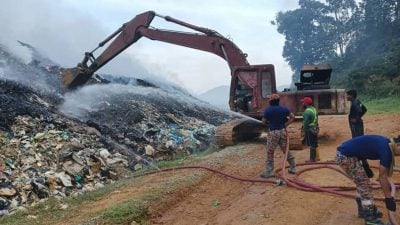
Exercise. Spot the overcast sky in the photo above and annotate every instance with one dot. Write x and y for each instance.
(65, 29)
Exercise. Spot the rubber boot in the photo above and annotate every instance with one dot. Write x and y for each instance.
(269, 169)
(370, 218)
(317, 155)
(313, 154)
(359, 208)
(292, 169)
(361, 214)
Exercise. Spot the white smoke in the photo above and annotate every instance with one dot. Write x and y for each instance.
(61, 33)
(91, 98)
(16, 49)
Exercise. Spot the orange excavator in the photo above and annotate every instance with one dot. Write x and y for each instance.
(250, 87)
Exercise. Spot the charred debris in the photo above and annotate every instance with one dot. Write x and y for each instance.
(59, 145)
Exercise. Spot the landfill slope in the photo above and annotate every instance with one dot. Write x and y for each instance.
(61, 144)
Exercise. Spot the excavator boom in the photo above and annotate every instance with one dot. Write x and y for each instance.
(127, 35)
(130, 32)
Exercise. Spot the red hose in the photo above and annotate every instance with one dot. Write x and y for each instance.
(293, 181)
(209, 169)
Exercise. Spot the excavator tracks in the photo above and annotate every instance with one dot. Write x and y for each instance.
(237, 130)
(296, 136)
(245, 129)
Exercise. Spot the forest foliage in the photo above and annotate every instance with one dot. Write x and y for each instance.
(360, 39)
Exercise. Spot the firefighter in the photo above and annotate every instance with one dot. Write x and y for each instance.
(356, 124)
(311, 128)
(277, 118)
(357, 111)
(372, 147)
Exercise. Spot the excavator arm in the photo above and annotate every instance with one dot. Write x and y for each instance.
(130, 32)
(250, 84)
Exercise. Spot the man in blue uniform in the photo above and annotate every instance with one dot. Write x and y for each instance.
(355, 115)
(371, 147)
(277, 118)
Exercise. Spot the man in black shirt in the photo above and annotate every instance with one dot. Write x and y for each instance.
(357, 110)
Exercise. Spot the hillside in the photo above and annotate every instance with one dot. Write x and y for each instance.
(218, 96)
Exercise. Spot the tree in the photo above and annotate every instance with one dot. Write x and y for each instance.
(307, 34)
(345, 22)
(359, 38)
(377, 16)
(377, 30)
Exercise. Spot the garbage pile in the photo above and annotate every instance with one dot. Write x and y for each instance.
(52, 146)
(40, 158)
(146, 117)
(17, 99)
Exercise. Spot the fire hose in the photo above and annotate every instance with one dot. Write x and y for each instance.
(291, 182)
(295, 181)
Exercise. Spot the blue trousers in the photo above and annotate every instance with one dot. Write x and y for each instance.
(357, 128)
(311, 139)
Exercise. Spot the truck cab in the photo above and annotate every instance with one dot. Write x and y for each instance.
(314, 83)
(314, 77)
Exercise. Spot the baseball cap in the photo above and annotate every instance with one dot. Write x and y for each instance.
(306, 100)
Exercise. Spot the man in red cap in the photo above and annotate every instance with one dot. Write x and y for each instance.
(310, 126)
(277, 118)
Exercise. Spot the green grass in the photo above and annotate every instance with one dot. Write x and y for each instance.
(211, 149)
(382, 105)
(163, 165)
(135, 209)
(131, 210)
(49, 209)
(138, 209)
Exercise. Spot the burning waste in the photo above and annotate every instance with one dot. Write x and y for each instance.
(60, 145)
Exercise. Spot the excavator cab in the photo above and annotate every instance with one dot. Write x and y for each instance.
(250, 89)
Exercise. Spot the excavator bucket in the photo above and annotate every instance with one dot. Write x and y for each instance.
(237, 130)
(72, 78)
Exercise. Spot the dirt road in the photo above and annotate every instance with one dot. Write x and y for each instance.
(249, 203)
(216, 199)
